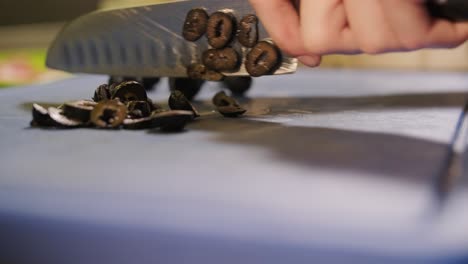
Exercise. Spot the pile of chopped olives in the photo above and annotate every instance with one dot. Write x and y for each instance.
(126, 105)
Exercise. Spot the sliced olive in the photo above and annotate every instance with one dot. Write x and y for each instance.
(226, 59)
(139, 109)
(231, 111)
(227, 106)
(263, 59)
(195, 24)
(189, 87)
(220, 30)
(248, 31)
(61, 119)
(222, 99)
(41, 117)
(174, 120)
(201, 72)
(139, 123)
(147, 82)
(79, 110)
(178, 101)
(129, 91)
(109, 114)
(102, 93)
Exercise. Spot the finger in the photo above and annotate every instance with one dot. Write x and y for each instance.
(310, 60)
(410, 22)
(371, 30)
(325, 27)
(281, 21)
(445, 34)
(415, 29)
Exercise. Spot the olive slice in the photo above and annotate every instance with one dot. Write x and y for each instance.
(79, 110)
(61, 119)
(41, 117)
(247, 35)
(226, 59)
(109, 114)
(231, 111)
(227, 106)
(189, 87)
(129, 91)
(220, 29)
(138, 123)
(117, 80)
(199, 71)
(195, 24)
(174, 120)
(178, 101)
(238, 85)
(102, 93)
(263, 59)
(222, 99)
(139, 109)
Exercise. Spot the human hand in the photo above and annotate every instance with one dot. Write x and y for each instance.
(312, 28)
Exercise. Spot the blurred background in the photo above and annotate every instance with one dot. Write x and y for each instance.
(28, 26)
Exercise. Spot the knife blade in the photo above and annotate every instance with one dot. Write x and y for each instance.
(143, 41)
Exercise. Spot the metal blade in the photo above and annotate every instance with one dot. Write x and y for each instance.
(142, 41)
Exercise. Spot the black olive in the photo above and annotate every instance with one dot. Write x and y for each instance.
(148, 82)
(195, 24)
(139, 109)
(247, 34)
(227, 106)
(41, 117)
(220, 30)
(79, 110)
(263, 59)
(129, 91)
(226, 59)
(198, 71)
(102, 93)
(174, 120)
(178, 101)
(109, 114)
(57, 115)
(231, 111)
(238, 85)
(189, 87)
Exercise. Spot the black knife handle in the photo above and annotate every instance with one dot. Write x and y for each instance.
(455, 10)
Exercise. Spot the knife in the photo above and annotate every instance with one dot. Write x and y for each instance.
(147, 41)
(143, 41)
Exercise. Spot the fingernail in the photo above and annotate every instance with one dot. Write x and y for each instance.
(310, 60)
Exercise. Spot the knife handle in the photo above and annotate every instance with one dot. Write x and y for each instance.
(455, 10)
